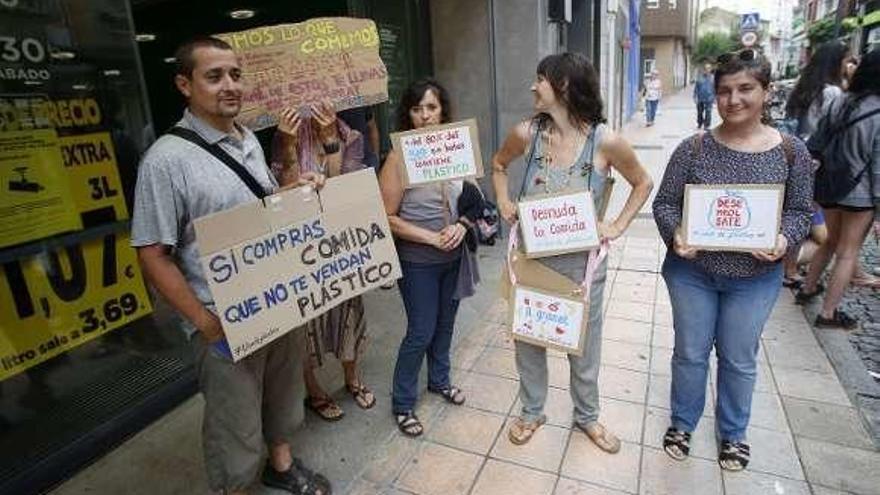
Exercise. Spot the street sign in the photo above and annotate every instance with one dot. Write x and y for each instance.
(750, 22)
(749, 38)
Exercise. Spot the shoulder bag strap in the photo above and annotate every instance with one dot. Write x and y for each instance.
(522, 188)
(218, 153)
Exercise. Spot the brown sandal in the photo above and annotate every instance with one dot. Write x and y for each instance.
(521, 431)
(600, 435)
(324, 407)
(363, 397)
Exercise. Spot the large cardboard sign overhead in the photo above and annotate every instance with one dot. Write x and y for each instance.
(273, 265)
(558, 223)
(290, 65)
(439, 153)
(732, 217)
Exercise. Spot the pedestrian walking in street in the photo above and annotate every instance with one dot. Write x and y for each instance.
(847, 143)
(568, 147)
(438, 267)
(249, 403)
(722, 298)
(317, 141)
(652, 91)
(704, 97)
(821, 82)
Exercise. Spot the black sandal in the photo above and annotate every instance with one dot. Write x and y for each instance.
(677, 443)
(734, 456)
(451, 394)
(838, 320)
(297, 480)
(802, 297)
(409, 424)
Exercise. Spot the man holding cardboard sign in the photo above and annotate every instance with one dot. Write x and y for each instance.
(209, 165)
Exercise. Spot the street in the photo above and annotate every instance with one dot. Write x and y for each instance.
(806, 435)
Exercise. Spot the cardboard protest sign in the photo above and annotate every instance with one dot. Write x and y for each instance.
(559, 223)
(274, 265)
(289, 65)
(439, 153)
(732, 217)
(548, 320)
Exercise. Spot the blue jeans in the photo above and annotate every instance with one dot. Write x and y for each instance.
(651, 109)
(427, 291)
(729, 314)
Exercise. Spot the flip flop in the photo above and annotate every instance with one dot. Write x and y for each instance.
(324, 407)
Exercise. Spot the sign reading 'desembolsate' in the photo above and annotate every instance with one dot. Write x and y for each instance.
(732, 217)
(289, 65)
(558, 223)
(548, 320)
(275, 264)
(439, 153)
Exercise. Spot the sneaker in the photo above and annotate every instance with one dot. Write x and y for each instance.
(297, 479)
(838, 320)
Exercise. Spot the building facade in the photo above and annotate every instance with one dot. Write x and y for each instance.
(668, 30)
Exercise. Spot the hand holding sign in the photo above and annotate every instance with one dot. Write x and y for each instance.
(774, 254)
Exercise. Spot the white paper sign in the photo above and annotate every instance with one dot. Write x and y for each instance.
(558, 223)
(548, 320)
(440, 153)
(732, 217)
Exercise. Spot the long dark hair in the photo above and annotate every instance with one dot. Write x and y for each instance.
(865, 82)
(824, 67)
(414, 94)
(575, 84)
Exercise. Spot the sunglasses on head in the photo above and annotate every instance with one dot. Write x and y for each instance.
(746, 55)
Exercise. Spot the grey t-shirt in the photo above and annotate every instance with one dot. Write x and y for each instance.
(178, 182)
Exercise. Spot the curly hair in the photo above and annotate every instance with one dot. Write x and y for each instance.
(825, 67)
(575, 84)
(414, 94)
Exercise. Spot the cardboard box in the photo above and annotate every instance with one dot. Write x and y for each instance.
(273, 265)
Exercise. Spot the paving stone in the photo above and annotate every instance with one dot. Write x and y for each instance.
(491, 393)
(806, 357)
(567, 486)
(662, 475)
(804, 384)
(840, 468)
(586, 462)
(439, 470)
(634, 332)
(466, 429)
(767, 412)
(617, 383)
(826, 422)
(749, 482)
(626, 310)
(773, 452)
(498, 362)
(500, 477)
(625, 355)
(543, 452)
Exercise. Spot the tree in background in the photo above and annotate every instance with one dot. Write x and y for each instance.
(711, 45)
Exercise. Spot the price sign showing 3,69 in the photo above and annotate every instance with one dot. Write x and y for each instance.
(62, 298)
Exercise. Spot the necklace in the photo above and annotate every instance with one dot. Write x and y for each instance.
(550, 183)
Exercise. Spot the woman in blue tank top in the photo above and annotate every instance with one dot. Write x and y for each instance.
(569, 147)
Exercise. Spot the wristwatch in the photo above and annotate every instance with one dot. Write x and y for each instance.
(331, 148)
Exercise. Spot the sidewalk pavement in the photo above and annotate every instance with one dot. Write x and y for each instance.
(806, 436)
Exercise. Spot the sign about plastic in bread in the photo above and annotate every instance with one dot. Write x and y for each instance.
(439, 153)
(548, 320)
(732, 217)
(558, 223)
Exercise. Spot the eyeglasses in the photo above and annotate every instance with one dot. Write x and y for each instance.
(747, 55)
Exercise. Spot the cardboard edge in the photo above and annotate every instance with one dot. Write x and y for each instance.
(756, 187)
(511, 311)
